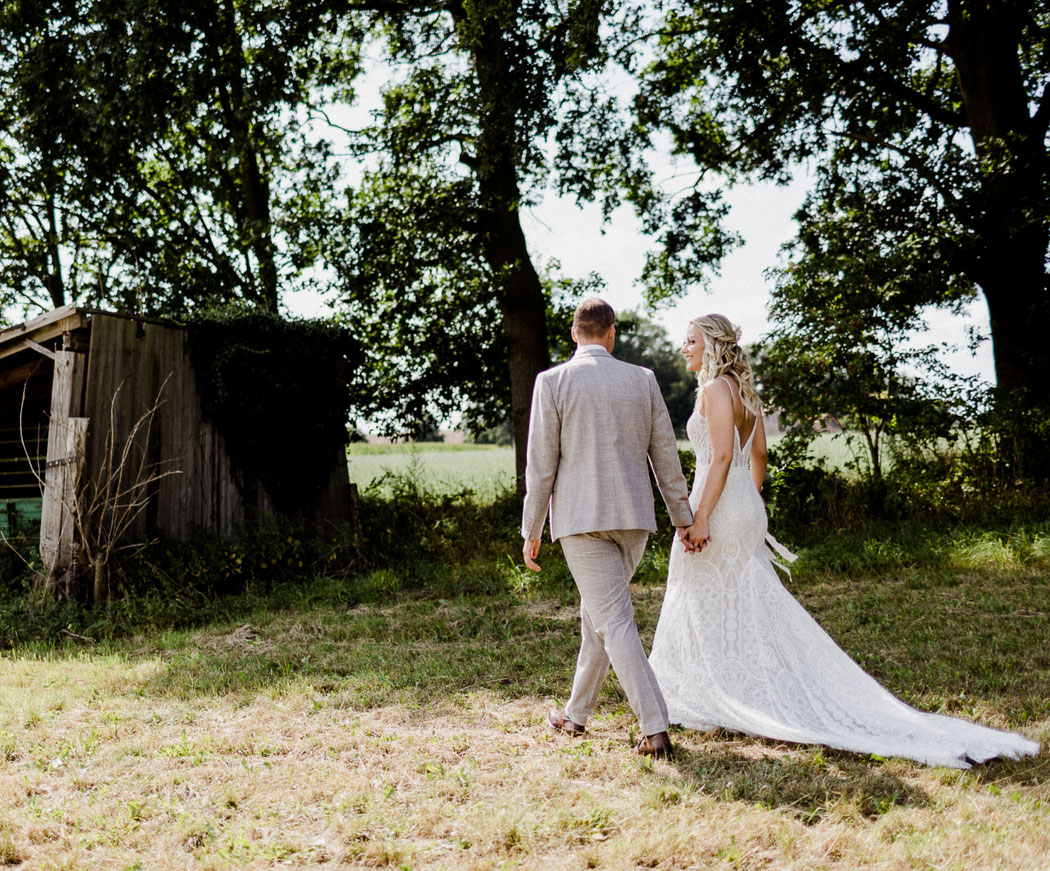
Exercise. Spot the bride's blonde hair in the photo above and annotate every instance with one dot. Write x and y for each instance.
(724, 356)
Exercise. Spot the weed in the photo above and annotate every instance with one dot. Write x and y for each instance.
(9, 852)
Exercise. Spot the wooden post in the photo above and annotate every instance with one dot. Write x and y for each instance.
(65, 464)
(355, 517)
(74, 460)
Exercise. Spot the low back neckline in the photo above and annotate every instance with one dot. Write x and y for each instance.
(736, 429)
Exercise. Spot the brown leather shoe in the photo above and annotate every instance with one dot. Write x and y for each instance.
(655, 745)
(560, 723)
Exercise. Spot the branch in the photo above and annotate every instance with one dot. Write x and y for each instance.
(916, 99)
(331, 123)
(867, 68)
(172, 214)
(398, 7)
(909, 157)
(876, 12)
(101, 522)
(76, 637)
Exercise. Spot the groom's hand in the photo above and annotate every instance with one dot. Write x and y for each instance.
(699, 534)
(683, 536)
(530, 550)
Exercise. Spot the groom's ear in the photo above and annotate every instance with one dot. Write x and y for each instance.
(572, 331)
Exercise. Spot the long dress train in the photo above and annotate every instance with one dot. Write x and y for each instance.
(734, 649)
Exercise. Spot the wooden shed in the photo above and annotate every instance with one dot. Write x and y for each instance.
(74, 384)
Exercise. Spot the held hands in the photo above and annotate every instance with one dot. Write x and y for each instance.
(696, 537)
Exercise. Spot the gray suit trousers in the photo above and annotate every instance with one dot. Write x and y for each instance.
(602, 564)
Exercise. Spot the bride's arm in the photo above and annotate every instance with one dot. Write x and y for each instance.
(758, 455)
(718, 409)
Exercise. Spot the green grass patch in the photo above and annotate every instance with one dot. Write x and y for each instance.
(366, 449)
(485, 470)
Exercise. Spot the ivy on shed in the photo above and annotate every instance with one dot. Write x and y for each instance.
(280, 392)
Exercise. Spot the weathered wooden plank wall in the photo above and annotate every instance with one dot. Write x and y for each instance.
(131, 367)
(138, 363)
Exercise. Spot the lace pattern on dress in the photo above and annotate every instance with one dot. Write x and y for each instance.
(734, 649)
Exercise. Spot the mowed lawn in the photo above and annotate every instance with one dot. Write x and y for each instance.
(375, 723)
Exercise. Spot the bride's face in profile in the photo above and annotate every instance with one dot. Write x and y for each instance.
(693, 349)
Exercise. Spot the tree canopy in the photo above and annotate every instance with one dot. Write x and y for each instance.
(928, 125)
(156, 157)
(499, 101)
(153, 156)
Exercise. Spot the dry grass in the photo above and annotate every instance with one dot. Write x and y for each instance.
(382, 736)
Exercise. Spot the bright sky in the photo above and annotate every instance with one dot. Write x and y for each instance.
(763, 215)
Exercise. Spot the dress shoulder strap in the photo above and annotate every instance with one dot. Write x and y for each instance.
(728, 381)
(735, 389)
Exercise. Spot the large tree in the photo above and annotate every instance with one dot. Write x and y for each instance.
(496, 103)
(155, 156)
(48, 254)
(927, 122)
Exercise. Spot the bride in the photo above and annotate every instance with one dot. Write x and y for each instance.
(733, 648)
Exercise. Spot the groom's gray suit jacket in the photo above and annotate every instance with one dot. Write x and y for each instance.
(597, 425)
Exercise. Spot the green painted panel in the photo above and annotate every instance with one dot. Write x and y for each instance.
(20, 514)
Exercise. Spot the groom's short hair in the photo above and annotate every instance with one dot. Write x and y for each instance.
(593, 318)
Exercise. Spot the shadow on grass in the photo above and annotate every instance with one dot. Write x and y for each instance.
(1006, 773)
(426, 630)
(417, 649)
(809, 787)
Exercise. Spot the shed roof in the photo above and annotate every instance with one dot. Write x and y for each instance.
(50, 326)
(42, 329)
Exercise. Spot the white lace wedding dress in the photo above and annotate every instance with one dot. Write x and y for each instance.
(734, 649)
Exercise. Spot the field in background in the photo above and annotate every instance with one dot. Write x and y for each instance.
(487, 470)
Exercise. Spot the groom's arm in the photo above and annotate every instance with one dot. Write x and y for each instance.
(663, 457)
(542, 457)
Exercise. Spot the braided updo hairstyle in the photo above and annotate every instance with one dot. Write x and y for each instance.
(724, 356)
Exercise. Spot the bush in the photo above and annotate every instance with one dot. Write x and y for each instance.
(664, 527)
(413, 538)
(963, 482)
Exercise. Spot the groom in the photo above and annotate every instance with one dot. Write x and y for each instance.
(597, 426)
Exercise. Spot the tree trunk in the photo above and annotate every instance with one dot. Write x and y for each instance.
(523, 307)
(1009, 260)
(523, 303)
(1014, 285)
(53, 280)
(257, 211)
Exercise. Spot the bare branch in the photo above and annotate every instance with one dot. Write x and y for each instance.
(319, 111)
